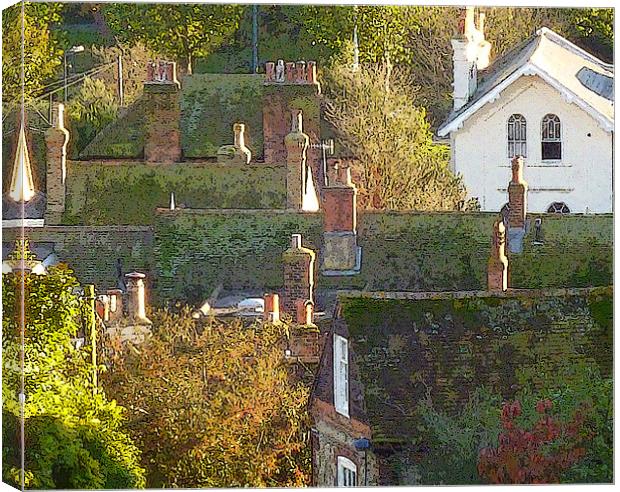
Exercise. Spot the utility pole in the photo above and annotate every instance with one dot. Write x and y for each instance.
(254, 38)
(119, 67)
(65, 66)
(91, 322)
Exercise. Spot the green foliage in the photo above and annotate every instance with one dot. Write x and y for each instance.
(92, 109)
(74, 434)
(455, 440)
(213, 404)
(181, 31)
(41, 49)
(381, 29)
(390, 139)
(596, 29)
(129, 193)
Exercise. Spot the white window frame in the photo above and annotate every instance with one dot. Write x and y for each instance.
(517, 144)
(341, 375)
(347, 472)
(551, 125)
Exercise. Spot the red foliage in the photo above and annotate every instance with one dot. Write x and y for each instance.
(537, 455)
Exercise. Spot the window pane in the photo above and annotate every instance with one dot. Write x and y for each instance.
(551, 151)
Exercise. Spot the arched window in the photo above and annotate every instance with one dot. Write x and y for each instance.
(551, 138)
(347, 472)
(517, 136)
(558, 208)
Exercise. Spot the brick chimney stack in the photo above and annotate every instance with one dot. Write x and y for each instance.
(497, 270)
(296, 143)
(340, 250)
(136, 302)
(517, 195)
(56, 140)
(163, 114)
(271, 310)
(290, 86)
(298, 275)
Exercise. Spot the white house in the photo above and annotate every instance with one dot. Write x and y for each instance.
(547, 100)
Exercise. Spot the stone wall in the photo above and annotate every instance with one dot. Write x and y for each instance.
(92, 251)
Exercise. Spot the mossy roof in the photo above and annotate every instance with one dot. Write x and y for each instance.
(444, 346)
(210, 105)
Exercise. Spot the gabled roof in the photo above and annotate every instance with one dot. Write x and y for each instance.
(579, 76)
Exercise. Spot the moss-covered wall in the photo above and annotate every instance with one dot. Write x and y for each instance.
(195, 251)
(401, 251)
(92, 251)
(449, 251)
(128, 192)
(447, 346)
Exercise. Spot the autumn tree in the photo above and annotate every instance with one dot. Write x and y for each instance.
(212, 404)
(540, 454)
(74, 436)
(379, 124)
(182, 31)
(41, 51)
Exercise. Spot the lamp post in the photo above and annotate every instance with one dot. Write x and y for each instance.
(73, 50)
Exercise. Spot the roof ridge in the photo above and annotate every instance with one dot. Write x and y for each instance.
(565, 43)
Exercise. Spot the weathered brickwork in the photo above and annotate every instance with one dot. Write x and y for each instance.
(497, 270)
(162, 142)
(278, 102)
(517, 195)
(298, 275)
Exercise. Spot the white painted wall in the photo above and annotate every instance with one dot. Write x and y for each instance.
(583, 179)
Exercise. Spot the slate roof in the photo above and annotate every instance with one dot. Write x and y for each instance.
(580, 76)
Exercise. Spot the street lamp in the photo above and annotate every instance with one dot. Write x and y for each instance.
(73, 50)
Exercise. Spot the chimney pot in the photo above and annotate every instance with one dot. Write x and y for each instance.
(136, 297)
(296, 241)
(271, 311)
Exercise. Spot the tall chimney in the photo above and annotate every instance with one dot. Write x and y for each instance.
(497, 269)
(115, 305)
(296, 143)
(271, 310)
(298, 275)
(517, 195)
(136, 302)
(56, 140)
(162, 142)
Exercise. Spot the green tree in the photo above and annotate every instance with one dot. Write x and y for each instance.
(595, 29)
(181, 31)
(41, 48)
(379, 123)
(92, 108)
(380, 29)
(74, 434)
(213, 404)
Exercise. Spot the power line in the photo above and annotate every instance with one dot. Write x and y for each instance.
(72, 79)
(82, 76)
